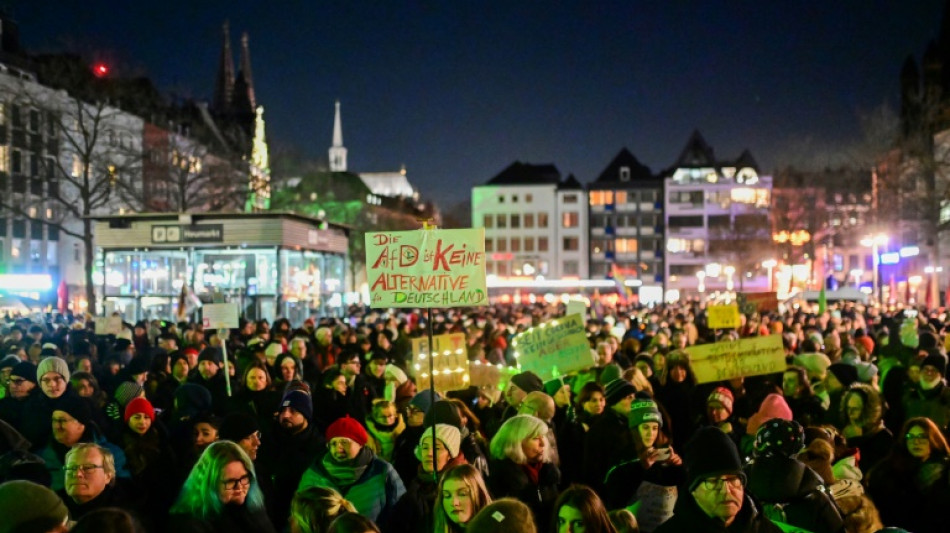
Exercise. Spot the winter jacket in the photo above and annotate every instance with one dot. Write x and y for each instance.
(623, 480)
(790, 485)
(234, 519)
(287, 459)
(933, 403)
(414, 510)
(374, 493)
(54, 454)
(688, 517)
(510, 480)
(911, 494)
(608, 443)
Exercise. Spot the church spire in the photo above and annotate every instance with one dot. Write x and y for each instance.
(246, 70)
(224, 84)
(337, 151)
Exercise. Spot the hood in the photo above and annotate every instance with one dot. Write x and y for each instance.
(781, 479)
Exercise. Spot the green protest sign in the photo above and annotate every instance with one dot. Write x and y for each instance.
(558, 346)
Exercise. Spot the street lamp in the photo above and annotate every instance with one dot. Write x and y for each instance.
(875, 242)
(729, 270)
(769, 264)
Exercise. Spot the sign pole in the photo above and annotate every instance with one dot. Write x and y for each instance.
(223, 337)
(429, 331)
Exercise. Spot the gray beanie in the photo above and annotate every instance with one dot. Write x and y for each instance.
(52, 364)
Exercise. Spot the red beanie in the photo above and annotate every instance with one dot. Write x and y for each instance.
(349, 428)
(139, 405)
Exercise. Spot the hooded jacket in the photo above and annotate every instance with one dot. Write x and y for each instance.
(798, 490)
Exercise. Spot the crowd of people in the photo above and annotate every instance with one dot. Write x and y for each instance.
(321, 427)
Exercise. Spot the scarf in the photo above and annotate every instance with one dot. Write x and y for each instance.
(346, 473)
(533, 470)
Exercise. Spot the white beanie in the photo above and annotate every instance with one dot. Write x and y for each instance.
(450, 436)
(394, 373)
(52, 364)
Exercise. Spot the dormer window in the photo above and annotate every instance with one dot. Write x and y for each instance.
(624, 173)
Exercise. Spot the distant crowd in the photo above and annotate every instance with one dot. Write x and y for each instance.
(322, 426)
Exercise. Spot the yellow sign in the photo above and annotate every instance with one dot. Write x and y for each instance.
(426, 268)
(751, 356)
(724, 316)
(554, 348)
(449, 362)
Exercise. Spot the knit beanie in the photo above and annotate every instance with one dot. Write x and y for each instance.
(938, 361)
(126, 392)
(26, 506)
(723, 396)
(617, 390)
(25, 370)
(423, 400)
(528, 381)
(507, 514)
(139, 405)
(552, 387)
(394, 373)
(138, 365)
(866, 341)
(298, 401)
(644, 410)
(273, 350)
(121, 344)
(779, 438)
(845, 373)
(52, 364)
(773, 406)
(450, 436)
(349, 428)
(211, 354)
(927, 340)
(237, 426)
(75, 406)
(866, 371)
(711, 453)
(10, 361)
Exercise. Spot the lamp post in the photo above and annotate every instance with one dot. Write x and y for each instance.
(729, 270)
(769, 264)
(875, 242)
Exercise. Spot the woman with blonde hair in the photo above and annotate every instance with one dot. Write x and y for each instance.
(313, 509)
(221, 494)
(462, 493)
(524, 466)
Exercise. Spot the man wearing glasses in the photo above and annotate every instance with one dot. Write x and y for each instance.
(716, 500)
(91, 481)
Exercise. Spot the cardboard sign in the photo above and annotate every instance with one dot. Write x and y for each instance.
(488, 376)
(577, 307)
(101, 325)
(220, 316)
(751, 302)
(656, 505)
(751, 356)
(426, 268)
(114, 325)
(450, 366)
(554, 348)
(723, 316)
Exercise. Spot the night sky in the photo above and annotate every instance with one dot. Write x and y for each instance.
(458, 90)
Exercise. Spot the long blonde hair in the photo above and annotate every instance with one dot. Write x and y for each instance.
(470, 476)
(313, 509)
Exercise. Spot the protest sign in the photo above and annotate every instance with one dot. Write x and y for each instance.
(114, 325)
(490, 377)
(725, 316)
(751, 356)
(219, 316)
(449, 362)
(426, 268)
(554, 348)
(757, 302)
(577, 307)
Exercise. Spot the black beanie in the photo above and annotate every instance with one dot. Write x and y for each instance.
(938, 361)
(237, 426)
(139, 364)
(443, 412)
(211, 354)
(711, 453)
(617, 390)
(74, 406)
(25, 370)
(926, 340)
(528, 382)
(846, 374)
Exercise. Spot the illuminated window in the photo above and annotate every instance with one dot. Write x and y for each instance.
(626, 246)
(570, 219)
(542, 220)
(679, 246)
(4, 159)
(77, 166)
(601, 197)
(599, 246)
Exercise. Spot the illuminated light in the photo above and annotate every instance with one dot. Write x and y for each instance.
(459, 351)
(100, 70)
(517, 355)
(543, 324)
(856, 272)
(866, 290)
(909, 251)
(554, 323)
(418, 366)
(915, 280)
(770, 263)
(26, 282)
(425, 376)
(434, 373)
(465, 378)
(447, 352)
(477, 362)
(931, 270)
(713, 270)
(890, 258)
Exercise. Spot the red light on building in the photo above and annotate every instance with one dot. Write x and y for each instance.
(100, 70)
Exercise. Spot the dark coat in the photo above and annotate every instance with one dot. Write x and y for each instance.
(798, 489)
(234, 519)
(911, 494)
(688, 517)
(509, 480)
(608, 443)
(623, 480)
(288, 458)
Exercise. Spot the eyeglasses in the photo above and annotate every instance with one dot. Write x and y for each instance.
(237, 484)
(918, 437)
(62, 421)
(716, 483)
(255, 435)
(17, 382)
(86, 470)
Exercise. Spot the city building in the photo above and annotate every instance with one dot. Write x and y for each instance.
(626, 225)
(716, 220)
(535, 223)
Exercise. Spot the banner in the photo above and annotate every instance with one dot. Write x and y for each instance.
(449, 362)
(751, 356)
(219, 316)
(554, 348)
(426, 268)
(724, 316)
(751, 302)
(577, 307)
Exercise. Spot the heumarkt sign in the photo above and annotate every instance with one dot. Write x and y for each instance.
(426, 268)
(554, 348)
(751, 356)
